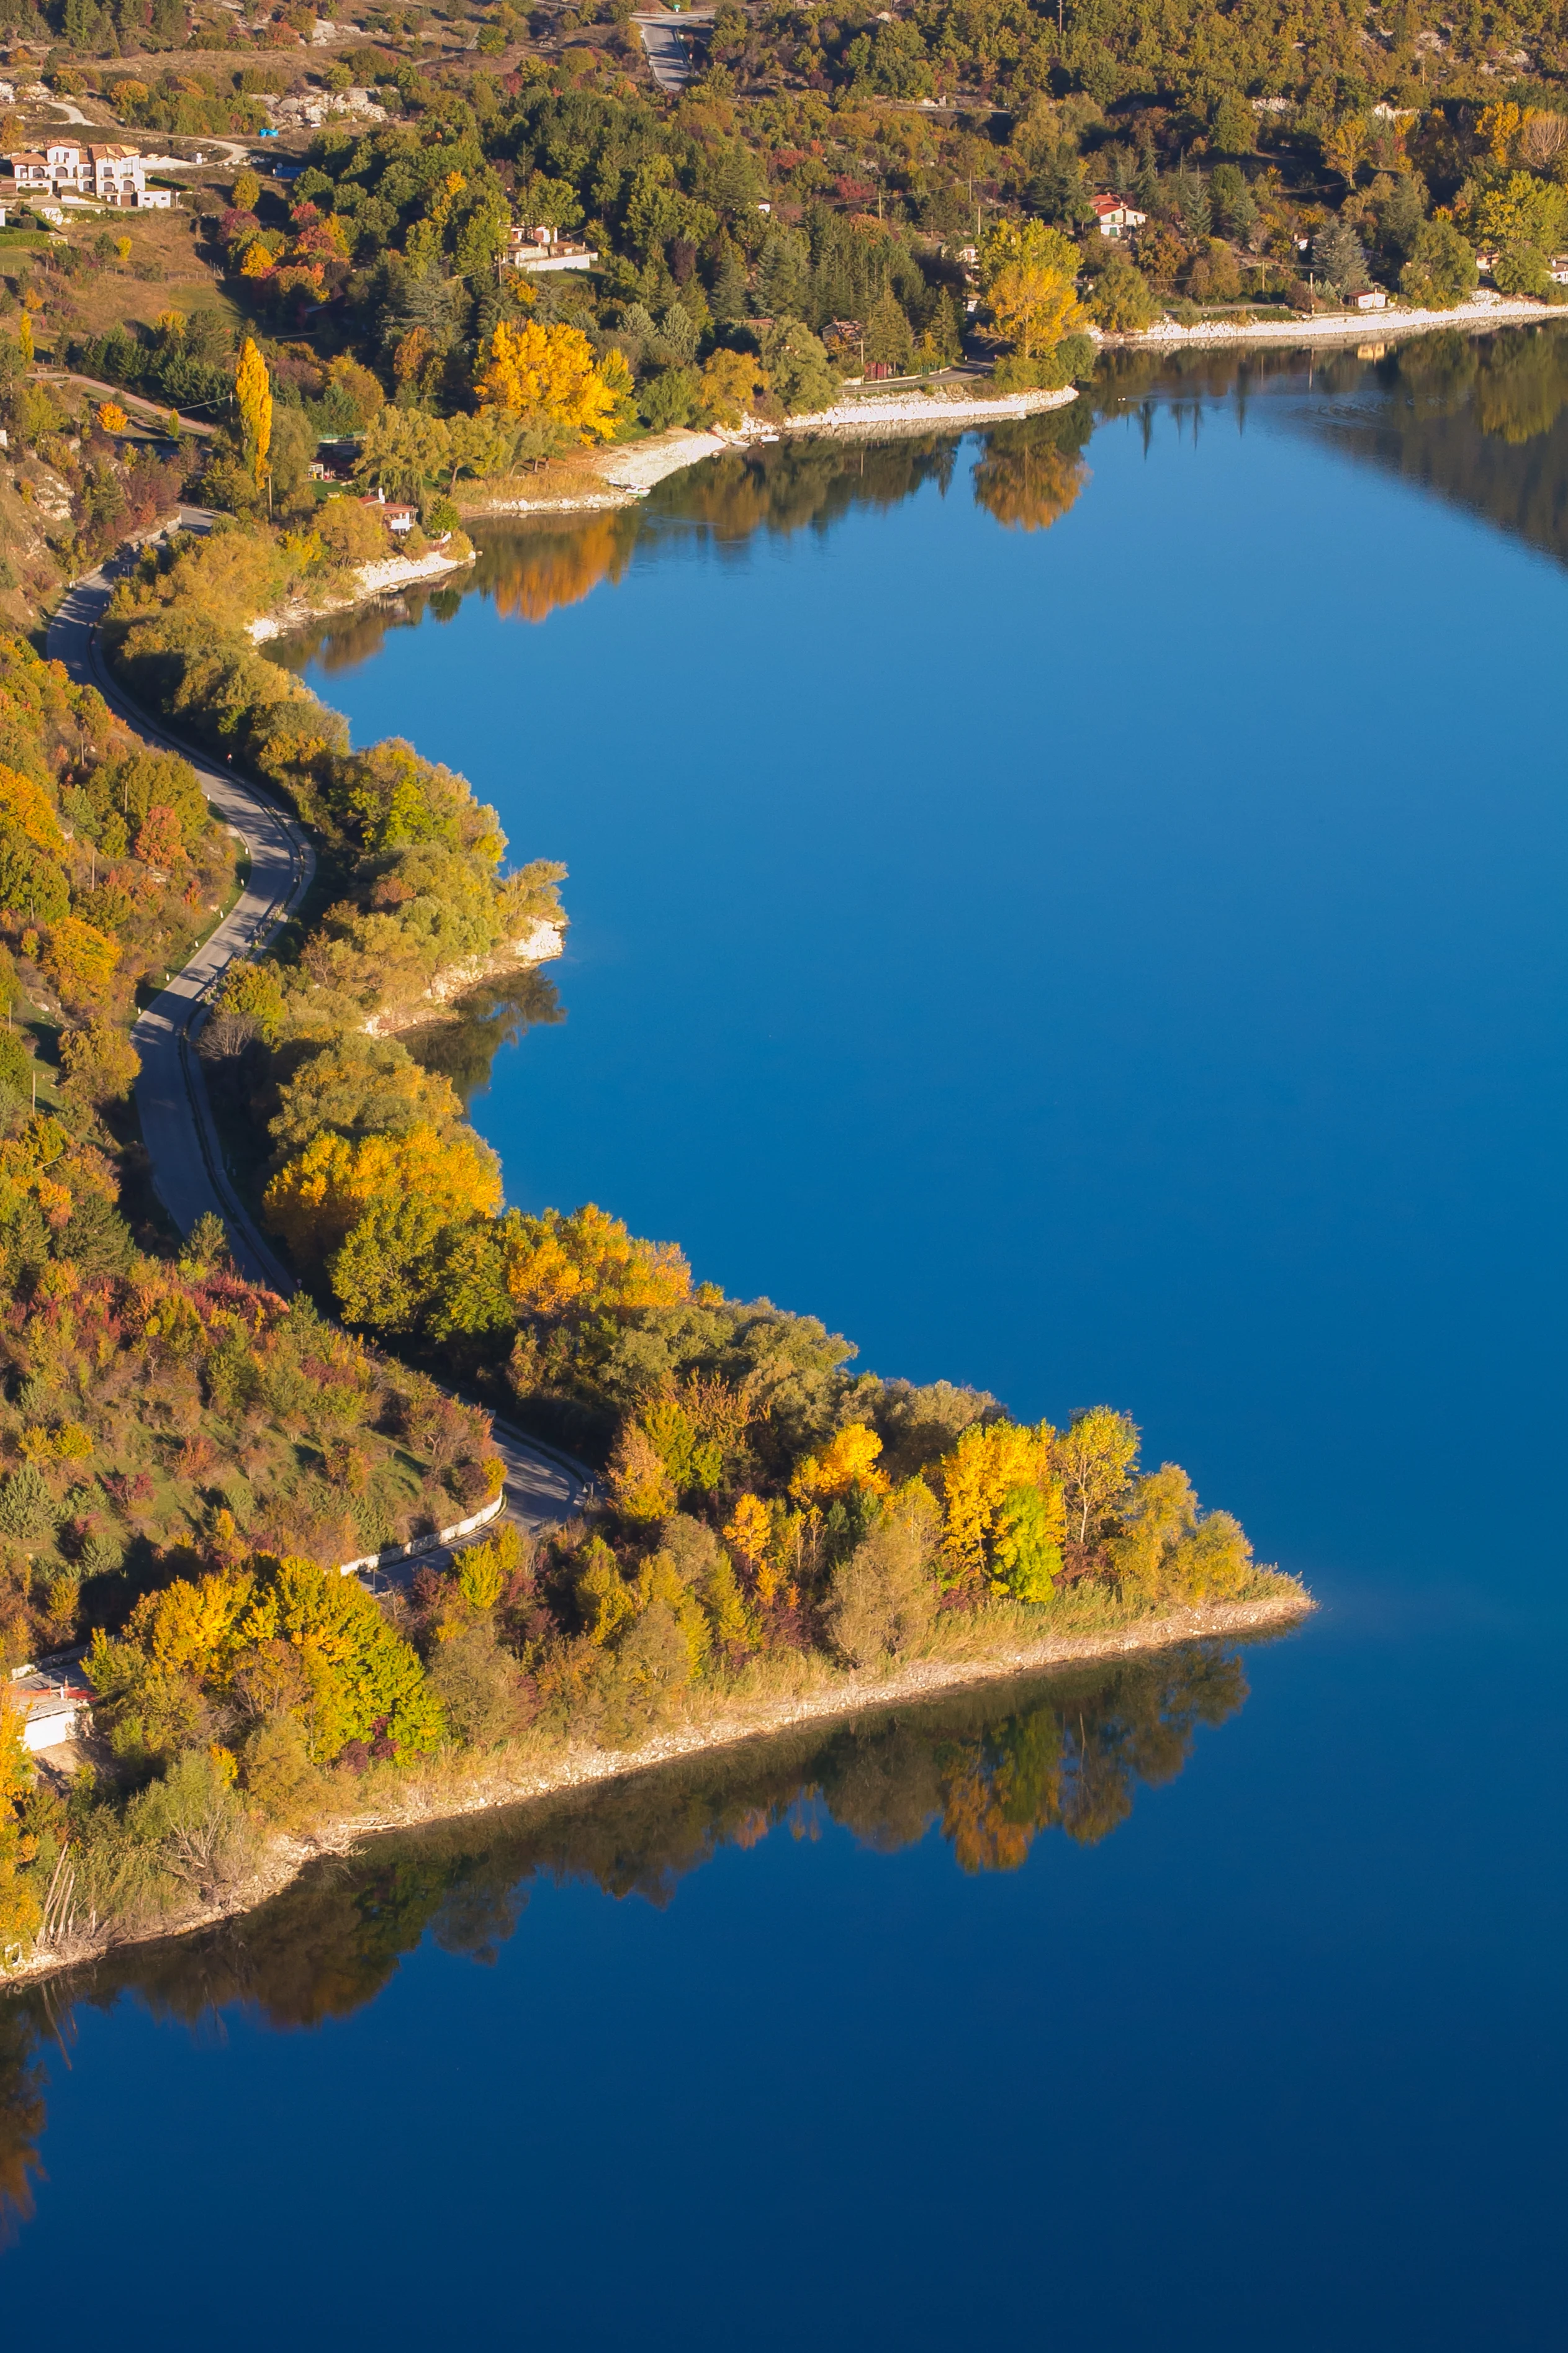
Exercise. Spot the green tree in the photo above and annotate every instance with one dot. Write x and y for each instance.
(728, 295)
(1027, 1543)
(1234, 128)
(403, 449)
(798, 367)
(1120, 300)
(1441, 270)
(1096, 1455)
(101, 1063)
(1339, 256)
(889, 340)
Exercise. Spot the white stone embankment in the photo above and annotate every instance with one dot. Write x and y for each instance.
(927, 412)
(371, 580)
(539, 945)
(1480, 313)
(615, 477)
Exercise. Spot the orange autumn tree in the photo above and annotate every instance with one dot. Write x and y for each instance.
(549, 382)
(847, 1462)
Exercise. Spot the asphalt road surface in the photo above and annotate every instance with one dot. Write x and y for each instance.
(177, 1126)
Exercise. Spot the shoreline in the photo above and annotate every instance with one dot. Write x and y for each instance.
(371, 581)
(604, 480)
(730, 1726)
(1473, 317)
(441, 1000)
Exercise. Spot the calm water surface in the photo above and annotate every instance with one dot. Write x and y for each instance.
(1118, 958)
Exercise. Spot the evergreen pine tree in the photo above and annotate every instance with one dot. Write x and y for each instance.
(887, 337)
(729, 296)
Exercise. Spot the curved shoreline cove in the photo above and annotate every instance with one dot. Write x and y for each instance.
(1080, 909)
(774, 1535)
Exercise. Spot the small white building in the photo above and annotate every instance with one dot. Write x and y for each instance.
(56, 1704)
(1367, 298)
(543, 248)
(397, 519)
(1116, 216)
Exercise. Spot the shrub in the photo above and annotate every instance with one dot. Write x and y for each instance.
(26, 1506)
(883, 1598)
(350, 533)
(484, 1695)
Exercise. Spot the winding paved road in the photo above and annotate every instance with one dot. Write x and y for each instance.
(172, 1101)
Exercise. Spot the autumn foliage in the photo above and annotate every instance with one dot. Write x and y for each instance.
(548, 378)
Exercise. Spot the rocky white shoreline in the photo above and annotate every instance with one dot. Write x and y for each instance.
(1481, 312)
(370, 581)
(542, 941)
(924, 412)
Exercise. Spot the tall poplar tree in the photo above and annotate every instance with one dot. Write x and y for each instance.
(253, 390)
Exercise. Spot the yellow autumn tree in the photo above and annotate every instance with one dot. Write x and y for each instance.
(748, 1529)
(316, 1199)
(640, 1480)
(550, 381)
(557, 1264)
(981, 1481)
(27, 806)
(112, 417)
(1028, 273)
(1035, 308)
(24, 340)
(848, 1460)
(253, 390)
(80, 960)
(18, 1901)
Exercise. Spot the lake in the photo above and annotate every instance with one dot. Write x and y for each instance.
(1081, 910)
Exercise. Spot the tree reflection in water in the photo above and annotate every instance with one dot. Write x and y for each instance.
(990, 1770)
(1476, 418)
(1481, 420)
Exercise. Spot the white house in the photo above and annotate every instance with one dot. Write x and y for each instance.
(118, 176)
(543, 248)
(56, 1705)
(1116, 216)
(397, 519)
(1367, 298)
(106, 175)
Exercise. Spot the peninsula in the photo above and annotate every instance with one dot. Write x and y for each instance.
(254, 1594)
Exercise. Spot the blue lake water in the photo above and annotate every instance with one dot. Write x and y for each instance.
(1118, 959)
